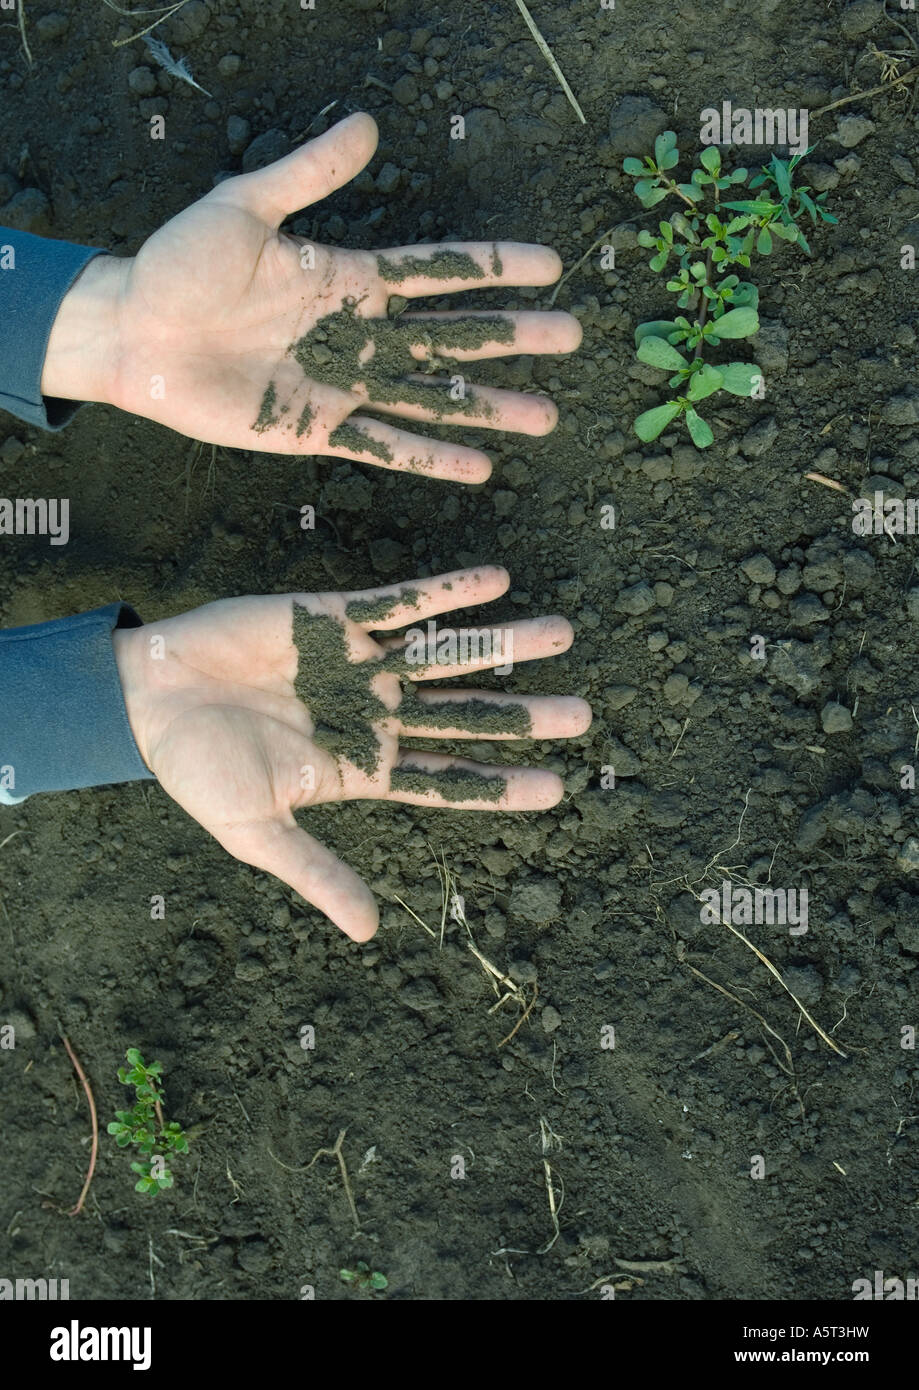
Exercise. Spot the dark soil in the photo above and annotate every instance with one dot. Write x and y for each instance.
(724, 762)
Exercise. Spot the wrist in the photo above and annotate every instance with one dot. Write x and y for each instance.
(129, 645)
(83, 350)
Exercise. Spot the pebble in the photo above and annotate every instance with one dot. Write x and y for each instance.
(239, 132)
(191, 21)
(52, 26)
(536, 900)
(851, 130)
(13, 449)
(860, 16)
(550, 1018)
(635, 600)
(389, 178)
(901, 410)
(27, 211)
(405, 90)
(618, 696)
(799, 664)
(835, 718)
(142, 81)
(759, 569)
(265, 149)
(759, 438)
(908, 858)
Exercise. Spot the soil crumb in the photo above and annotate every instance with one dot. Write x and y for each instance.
(358, 441)
(453, 783)
(305, 420)
(474, 716)
(336, 691)
(443, 265)
(376, 610)
(335, 353)
(267, 415)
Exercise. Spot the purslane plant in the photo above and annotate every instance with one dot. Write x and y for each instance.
(144, 1127)
(705, 245)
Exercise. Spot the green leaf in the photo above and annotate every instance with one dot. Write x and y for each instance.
(737, 323)
(739, 176)
(689, 190)
(781, 172)
(659, 261)
(699, 431)
(656, 328)
(655, 196)
(134, 1057)
(787, 233)
(347, 1275)
(633, 166)
(746, 296)
(764, 242)
(705, 382)
(651, 423)
(710, 158)
(378, 1280)
(738, 377)
(757, 207)
(663, 145)
(657, 352)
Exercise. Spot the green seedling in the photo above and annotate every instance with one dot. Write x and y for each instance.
(700, 247)
(363, 1277)
(144, 1127)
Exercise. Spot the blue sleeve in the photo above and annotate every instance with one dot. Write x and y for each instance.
(63, 722)
(35, 274)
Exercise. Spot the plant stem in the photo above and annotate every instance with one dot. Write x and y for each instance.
(673, 189)
(705, 301)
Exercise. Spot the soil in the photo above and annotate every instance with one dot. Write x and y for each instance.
(776, 761)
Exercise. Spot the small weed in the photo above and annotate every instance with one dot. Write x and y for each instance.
(704, 247)
(363, 1277)
(144, 1127)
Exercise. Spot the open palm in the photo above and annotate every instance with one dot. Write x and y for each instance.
(212, 702)
(212, 304)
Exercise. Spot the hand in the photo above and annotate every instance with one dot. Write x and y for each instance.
(196, 330)
(215, 699)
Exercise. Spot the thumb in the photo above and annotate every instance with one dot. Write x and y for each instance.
(311, 172)
(311, 870)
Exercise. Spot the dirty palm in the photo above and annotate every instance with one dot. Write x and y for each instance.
(248, 710)
(264, 340)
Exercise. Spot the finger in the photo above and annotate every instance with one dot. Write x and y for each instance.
(449, 266)
(532, 332)
(394, 605)
(421, 655)
(485, 407)
(487, 714)
(309, 173)
(312, 871)
(433, 779)
(366, 440)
